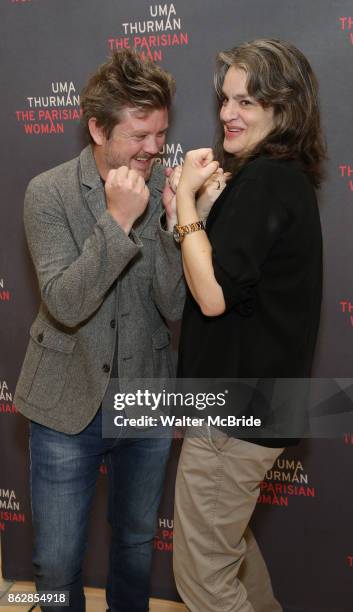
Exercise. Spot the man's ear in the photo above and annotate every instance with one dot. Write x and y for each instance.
(96, 131)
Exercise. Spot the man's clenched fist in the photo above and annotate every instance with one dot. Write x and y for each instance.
(127, 196)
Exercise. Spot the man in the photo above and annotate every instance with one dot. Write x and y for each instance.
(109, 274)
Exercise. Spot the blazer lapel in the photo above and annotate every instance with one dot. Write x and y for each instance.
(93, 189)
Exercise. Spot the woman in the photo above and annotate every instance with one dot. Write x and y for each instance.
(254, 278)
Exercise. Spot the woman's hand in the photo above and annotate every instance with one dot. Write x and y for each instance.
(210, 191)
(198, 167)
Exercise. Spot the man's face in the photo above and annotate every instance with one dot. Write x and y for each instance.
(135, 141)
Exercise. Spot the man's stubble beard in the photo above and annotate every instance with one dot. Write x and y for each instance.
(113, 162)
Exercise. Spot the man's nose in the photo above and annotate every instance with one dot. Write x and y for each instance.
(151, 145)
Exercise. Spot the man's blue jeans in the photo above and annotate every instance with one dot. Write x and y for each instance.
(64, 471)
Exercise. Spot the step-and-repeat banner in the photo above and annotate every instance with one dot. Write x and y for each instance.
(303, 520)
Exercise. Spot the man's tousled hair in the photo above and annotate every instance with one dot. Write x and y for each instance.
(125, 80)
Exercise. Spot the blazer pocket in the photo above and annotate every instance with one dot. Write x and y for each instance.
(46, 365)
(161, 353)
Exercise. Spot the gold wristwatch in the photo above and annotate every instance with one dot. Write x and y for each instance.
(180, 231)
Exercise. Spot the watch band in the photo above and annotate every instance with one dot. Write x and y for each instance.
(180, 231)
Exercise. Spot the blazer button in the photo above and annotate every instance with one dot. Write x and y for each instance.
(40, 337)
(106, 368)
(112, 324)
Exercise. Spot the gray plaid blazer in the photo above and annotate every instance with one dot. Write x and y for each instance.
(94, 281)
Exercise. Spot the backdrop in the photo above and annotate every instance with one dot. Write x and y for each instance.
(49, 48)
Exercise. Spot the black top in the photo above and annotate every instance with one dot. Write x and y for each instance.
(267, 255)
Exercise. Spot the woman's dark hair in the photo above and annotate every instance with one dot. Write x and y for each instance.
(278, 76)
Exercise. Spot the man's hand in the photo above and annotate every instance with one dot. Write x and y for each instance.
(127, 196)
(169, 199)
(210, 191)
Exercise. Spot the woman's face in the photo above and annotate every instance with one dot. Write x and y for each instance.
(245, 121)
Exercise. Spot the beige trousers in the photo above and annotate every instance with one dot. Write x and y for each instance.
(218, 566)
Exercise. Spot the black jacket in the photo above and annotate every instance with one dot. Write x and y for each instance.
(267, 255)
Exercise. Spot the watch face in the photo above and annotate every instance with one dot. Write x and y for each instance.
(176, 234)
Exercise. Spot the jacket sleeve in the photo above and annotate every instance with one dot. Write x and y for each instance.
(168, 284)
(72, 283)
(252, 221)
